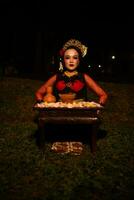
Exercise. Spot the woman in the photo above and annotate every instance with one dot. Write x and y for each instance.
(71, 80)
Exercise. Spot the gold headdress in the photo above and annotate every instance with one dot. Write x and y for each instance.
(76, 43)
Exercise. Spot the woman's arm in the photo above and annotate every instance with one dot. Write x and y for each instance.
(42, 90)
(97, 89)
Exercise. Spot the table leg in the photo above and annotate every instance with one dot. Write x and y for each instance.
(41, 128)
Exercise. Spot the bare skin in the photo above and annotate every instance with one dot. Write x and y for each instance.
(71, 62)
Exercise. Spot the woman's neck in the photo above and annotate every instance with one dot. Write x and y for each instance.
(71, 73)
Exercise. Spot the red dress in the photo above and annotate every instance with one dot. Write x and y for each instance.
(74, 84)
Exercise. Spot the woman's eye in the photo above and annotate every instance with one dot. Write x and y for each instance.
(76, 57)
(67, 57)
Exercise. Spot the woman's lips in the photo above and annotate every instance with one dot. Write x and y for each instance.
(71, 65)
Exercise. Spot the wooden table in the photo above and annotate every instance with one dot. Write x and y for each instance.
(70, 116)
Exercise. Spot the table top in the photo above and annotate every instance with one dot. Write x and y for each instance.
(83, 105)
(68, 110)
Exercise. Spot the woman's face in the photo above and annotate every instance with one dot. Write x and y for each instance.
(71, 59)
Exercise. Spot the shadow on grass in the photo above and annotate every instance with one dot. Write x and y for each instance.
(63, 132)
(101, 134)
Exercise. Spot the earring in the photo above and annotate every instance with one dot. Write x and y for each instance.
(60, 66)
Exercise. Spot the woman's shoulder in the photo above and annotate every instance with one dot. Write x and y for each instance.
(59, 75)
(81, 74)
(86, 75)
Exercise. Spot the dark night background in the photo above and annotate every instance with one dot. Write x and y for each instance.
(32, 34)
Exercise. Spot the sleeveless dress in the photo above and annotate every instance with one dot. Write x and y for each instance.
(74, 84)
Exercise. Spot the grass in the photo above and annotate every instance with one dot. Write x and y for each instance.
(28, 174)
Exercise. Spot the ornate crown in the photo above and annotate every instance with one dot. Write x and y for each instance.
(76, 43)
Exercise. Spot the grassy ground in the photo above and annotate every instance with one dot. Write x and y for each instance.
(27, 174)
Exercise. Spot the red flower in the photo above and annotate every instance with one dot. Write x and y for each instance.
(61, 52)
(77, 86)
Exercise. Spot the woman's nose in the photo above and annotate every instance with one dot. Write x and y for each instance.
(71, 60)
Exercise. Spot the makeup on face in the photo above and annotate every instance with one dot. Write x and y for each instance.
(71, 59)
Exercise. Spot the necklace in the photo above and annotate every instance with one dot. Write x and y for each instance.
(69, 74)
